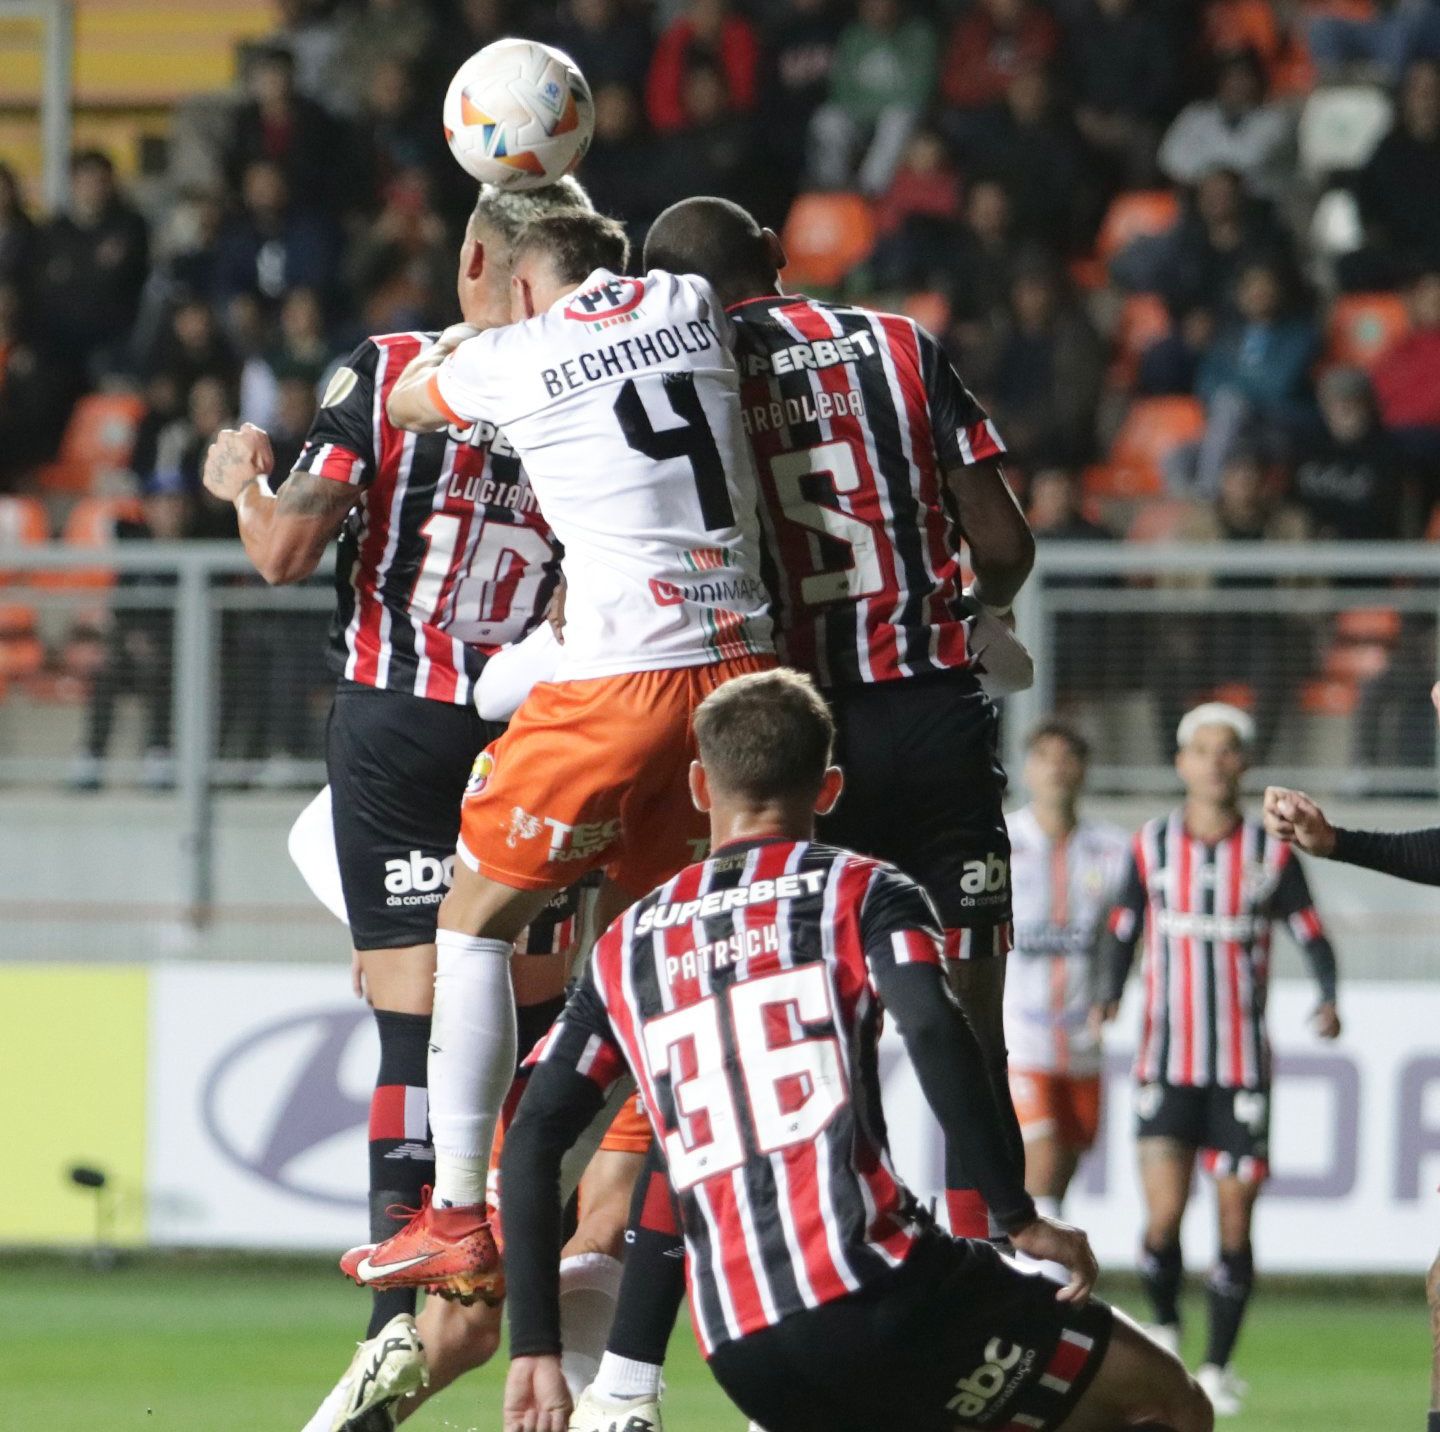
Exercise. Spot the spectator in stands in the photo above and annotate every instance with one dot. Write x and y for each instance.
(1053, 186)
(991, 42)
(180, 455)
(373, 33)
(618, 172)
(473, 25)
(882, 80)
(1122, 64)
(401, 266)
(309, 34)
(709, 31)
(981, 265)
(1255, 380)
(301, 352)
(1398, 190)
(1171, 365)
(271, 245)
(1045, 384)
(34, 398)
(611, 44)
(1349, 476)
(1387, 39)
(17, 234)
(192, 346)
(916, 218)
(278, 125)
(396, 131)
(1056, 508)
(92, 266)
(1235, 130)
(797, 54)
(1407, 381)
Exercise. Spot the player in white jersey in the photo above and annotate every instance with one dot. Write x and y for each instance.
(1066, 872)
(622, 400)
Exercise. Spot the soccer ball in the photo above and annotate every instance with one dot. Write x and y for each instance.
(518, 115)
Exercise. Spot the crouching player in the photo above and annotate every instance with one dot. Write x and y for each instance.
(745, 995)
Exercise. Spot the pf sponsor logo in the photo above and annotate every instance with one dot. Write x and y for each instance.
(1005, 1363)
(418, 879)
(985, 877)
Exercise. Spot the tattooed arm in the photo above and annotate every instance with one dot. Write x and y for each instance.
(285, 533)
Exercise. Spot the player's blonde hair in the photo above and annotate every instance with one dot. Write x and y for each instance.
(506, 213)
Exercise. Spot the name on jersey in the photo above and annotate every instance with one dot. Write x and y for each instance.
(1183, 925)
(719, 902)
(808, 408)
(630, 355)
(800, 357)
(1046, 938)
(492, 492)
(742, 945)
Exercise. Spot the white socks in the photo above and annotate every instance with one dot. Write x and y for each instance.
(589, 1290)
(622, 1377)
(472, 1060)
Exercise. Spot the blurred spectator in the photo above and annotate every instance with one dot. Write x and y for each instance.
(617, 170)
(300, 353)
(916, 218)
(1399, 190)
(278, 125)
(983, 257)
(1197, 261)
(1255, 379)
(1407, 379)
(373, 33)
(402, 266)
(192, 346)
(180, 455)
(708, 31)
(396, 132)
(309, 34)
(17, 233)
(1171, 365)
(1349, 477)
(797, 55)
(34, 398)
(271, 245)
(1056, 508)
(1236, 130)
(989, 45)
(882, 80)
(712, 151)
(1045, 383)
(1386, 39)
(1053, 188)
(474, 24)
(92, 266)
(1122, 63)
(610, 43)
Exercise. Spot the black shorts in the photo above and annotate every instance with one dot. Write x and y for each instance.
(1230, 1127)
(398, 766)
(957, 1338)
(925, 790)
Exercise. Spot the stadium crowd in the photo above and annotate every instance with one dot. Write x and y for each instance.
(1188, 254)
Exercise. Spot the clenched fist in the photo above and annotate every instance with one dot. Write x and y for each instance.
(235, 460)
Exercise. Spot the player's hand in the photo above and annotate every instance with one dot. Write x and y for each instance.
(1049, 1240)
(1326, 1021)
(452, 338)
(555, 612)
(236, 458)
(1292, 816)
(536, 1398)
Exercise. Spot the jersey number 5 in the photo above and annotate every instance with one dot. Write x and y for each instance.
(792, 1089)
(862, 574)
(692, 439)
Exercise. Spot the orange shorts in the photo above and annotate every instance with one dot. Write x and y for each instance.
(1060, 1106)
(593, 775)
(629, 1131)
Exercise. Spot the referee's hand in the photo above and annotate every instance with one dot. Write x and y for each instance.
(1047, 1240)
(1293, 817)
(536, 1397)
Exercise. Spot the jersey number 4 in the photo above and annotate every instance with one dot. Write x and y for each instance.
(692, 439)
(792, 1090)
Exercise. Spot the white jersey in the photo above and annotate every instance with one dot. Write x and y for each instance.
(623, 402)
(1063, 892)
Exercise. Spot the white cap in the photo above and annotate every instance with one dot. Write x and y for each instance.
(1216, 713)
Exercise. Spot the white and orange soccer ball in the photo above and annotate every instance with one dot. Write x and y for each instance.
(518, 114)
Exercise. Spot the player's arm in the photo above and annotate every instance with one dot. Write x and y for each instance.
(1294, 817)
(1292, 902)
(423, 399)
(1002, 547)
(1116, 952)
(903, 949)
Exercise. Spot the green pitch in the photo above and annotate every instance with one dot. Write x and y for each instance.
(177, 1346)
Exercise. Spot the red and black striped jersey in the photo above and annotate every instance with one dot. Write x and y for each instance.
(1207, 913)
(446, 557)
(854, 417)
(743, 994)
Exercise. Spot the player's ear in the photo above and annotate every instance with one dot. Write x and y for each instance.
(774, 249)
(830, 788)
(699, 787)
(474, 259)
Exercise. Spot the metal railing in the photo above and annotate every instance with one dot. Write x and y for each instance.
(1123, 637)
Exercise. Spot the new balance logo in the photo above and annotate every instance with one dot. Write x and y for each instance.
(421, 1153)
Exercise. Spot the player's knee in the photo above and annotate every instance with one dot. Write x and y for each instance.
(457, 1340)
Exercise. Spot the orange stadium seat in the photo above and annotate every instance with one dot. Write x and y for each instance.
(825, 236)
(1144, 320)
(1134, 214)
(1153, 428)
(91, 523)
(1363, 326)
(1369, 624)
(929, 309)
(1325, 696)
(22, 524)
(99, 437)
(1162, 520)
